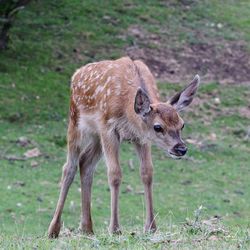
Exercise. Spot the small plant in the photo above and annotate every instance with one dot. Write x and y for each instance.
(242, 244)
(204, 227)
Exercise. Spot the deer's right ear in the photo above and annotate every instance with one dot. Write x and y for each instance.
(182, 99)
(142, 102)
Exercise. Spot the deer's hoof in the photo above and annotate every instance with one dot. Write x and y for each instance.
(150, 227)
(115, 230)
(54, 229)
(87, 229)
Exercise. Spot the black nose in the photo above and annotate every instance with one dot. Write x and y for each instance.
(180, 149)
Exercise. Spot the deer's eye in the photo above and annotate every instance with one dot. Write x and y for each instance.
(183, 126)
(158, 128)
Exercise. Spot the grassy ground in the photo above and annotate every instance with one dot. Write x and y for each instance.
(201, 202)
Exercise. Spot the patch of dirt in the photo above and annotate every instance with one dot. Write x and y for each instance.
(244, 111)
(222, 61)
(241, 111)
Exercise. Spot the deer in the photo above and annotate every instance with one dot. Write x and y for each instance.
(114, 101)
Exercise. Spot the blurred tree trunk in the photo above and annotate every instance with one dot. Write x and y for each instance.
(8, 10)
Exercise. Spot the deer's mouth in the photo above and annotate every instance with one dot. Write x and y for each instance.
(175, 156)
(178, 150)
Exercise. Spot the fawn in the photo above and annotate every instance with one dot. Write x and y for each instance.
(112, 101)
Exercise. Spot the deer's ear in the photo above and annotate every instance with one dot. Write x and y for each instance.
(182, 99)
(142, 102)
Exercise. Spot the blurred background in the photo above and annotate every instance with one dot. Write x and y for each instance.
(42, 43)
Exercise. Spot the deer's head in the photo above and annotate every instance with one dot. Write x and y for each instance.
(163, 121)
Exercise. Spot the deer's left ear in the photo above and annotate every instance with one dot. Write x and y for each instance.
(182, 99)
(142, 103)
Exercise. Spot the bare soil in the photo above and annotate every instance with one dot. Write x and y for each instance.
(221, 61)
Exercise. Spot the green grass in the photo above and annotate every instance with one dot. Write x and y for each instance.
(48, 42)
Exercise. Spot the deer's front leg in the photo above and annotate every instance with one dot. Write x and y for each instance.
(110, 144)
(146, 169)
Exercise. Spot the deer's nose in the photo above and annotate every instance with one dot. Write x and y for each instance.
(180, 149)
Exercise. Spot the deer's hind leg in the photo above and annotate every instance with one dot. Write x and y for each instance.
(68, 174)
(88, 160)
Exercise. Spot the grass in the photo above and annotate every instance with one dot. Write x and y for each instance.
(215, 175)
(34, 94)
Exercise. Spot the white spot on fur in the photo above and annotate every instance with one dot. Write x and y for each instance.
(99, 89)
(108, 92)
(79, 84)
(108, 79)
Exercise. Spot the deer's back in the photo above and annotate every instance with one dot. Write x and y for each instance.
(106, 90)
